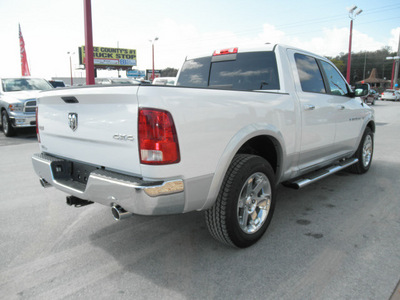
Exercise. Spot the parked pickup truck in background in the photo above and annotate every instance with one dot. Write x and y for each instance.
(18, 102)
(237, 123)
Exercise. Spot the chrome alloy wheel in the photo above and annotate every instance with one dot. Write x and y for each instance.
(367, 151)
(254, 203)
(5, 123)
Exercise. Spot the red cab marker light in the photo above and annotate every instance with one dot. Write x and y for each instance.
(225, 51)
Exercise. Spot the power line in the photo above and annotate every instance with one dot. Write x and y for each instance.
(315, 21)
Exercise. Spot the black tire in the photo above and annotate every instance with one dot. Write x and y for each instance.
(8, 130)
(364, 153)
(242, 223)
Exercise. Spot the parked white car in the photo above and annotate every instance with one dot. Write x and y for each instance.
(164, 81)
(392, 95)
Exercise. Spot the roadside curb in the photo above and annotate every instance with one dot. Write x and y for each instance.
(396, 293)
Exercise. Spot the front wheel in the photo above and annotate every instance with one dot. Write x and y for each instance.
(8, 130)
(245, 203)
(364, 153)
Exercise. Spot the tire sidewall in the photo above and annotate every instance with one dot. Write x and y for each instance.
(4, 121)
(238, 236)
(7, 132)
(367, 132)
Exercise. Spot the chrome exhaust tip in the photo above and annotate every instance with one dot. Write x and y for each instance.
(44, 183)
(119, 213)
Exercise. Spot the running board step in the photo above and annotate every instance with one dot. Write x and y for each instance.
(322, 173)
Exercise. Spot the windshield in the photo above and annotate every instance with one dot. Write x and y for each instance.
(124, 81)
(25, 84)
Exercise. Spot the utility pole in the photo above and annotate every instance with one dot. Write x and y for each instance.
(365, 63)
(152, 55)
(118, 66)
(89, 42)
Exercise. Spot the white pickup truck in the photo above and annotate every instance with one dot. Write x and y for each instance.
(18, 102)
(237, 123)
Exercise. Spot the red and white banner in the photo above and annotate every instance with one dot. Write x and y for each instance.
(24, 59)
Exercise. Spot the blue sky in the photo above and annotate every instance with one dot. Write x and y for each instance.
(51, 28)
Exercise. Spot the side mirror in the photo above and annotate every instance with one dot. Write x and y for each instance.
(358, 92)
(351, 94)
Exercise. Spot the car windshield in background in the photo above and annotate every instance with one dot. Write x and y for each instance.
(249, 71)
(117, 81)
(25, 84)
(57, 83)
(124, 81)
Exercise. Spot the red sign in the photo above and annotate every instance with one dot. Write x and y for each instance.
(24, 60)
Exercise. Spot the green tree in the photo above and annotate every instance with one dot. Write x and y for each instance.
(363, 62)
(339, 64)
(169, 72)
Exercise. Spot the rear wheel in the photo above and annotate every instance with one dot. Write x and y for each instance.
(8, 130)
(245, 204)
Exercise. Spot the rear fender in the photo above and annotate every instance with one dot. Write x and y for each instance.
(244, 135)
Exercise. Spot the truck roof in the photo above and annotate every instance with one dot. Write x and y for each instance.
(264, 47)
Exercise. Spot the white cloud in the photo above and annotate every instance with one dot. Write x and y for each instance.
(177, 41)
(272, 35)
(394, 39)
(330, 43)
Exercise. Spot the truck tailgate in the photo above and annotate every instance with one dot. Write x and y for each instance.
(95, 125)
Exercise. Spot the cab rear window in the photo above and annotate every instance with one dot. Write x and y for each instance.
(243, 71)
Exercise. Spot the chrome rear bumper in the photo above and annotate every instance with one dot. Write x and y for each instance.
(109, 188)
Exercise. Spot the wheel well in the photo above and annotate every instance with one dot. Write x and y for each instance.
(266, 147)
(372, 126)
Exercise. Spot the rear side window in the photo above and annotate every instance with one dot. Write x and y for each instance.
(309, 73)
(195, 72)
(244, 71)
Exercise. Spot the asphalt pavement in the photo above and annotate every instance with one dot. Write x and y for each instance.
(335, 239)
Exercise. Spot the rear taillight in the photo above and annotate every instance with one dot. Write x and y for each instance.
(158, 141)
(37, 124)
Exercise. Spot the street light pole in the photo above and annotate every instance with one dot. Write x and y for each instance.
(352, 16)
(70, 66)
(152, 49)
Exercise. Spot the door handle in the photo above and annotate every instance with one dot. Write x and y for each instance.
(341, 107)
(309, 107)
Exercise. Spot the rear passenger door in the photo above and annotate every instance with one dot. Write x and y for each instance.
(349, 111)
(317, 111)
